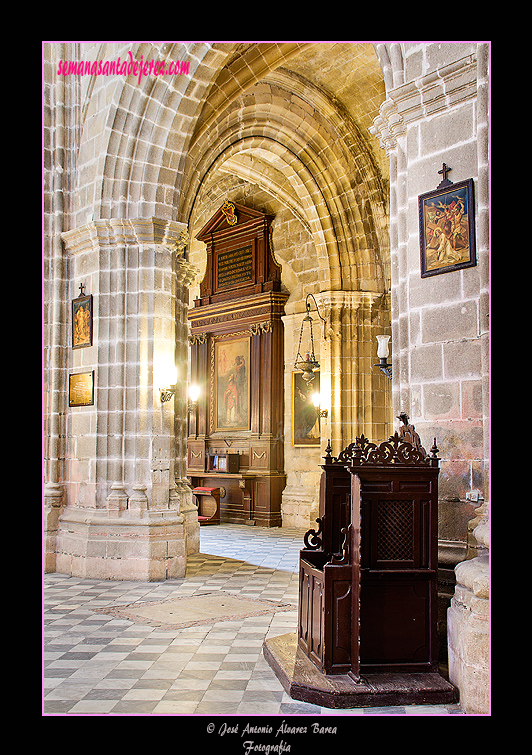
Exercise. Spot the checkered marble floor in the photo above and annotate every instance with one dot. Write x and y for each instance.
(97, 664)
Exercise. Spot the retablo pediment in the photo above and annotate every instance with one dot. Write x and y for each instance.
(239, 258)
(229, 216)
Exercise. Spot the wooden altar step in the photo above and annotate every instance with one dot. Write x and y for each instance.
(302, 680)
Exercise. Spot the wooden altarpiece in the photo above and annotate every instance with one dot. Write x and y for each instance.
(367, 624)
(237, 359)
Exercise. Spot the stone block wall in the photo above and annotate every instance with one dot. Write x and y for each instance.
(127, 504)
(437, 111)
(439, 326)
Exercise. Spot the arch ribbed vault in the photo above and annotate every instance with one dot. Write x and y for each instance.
(150, 123)
(294, 143)
(242, 111)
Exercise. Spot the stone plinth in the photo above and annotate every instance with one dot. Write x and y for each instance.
(468, 621)
(303, 681)
(468, 635)
(145, 546)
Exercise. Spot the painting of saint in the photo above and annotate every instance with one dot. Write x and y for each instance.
(232, 384)
(82, 322)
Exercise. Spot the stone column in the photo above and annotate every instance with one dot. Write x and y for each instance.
(468, 622)
(300, 495)
(468, 617)
(57, 96)
(356, 394)
(391, 132)
(360, 394)
(185, 275)
(130, 511)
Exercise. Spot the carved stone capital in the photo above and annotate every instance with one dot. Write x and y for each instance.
(125, 231)
(186, 272)
(388, 126)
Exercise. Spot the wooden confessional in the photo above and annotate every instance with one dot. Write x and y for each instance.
(367, 619)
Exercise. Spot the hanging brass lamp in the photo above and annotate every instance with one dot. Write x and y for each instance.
(308, 364)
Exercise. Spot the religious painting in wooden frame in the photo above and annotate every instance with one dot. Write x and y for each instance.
(232, 384)
(447, 228)
(81, 389)
(82, 322)
(306, 423)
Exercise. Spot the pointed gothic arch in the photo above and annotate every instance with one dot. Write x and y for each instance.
(317, 167)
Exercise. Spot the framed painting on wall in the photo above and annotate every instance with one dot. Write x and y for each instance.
(232, 384)
(82, 322)
(306, 423)
(447, 229)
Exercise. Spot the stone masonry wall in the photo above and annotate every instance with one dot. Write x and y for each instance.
(439, 327)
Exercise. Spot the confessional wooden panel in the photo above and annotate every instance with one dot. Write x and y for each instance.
(374, 556)
(399, 568)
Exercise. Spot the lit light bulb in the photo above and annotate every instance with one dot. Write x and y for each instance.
(167, 376)
(167, 373)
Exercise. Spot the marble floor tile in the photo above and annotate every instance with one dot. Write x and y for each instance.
(97, 664)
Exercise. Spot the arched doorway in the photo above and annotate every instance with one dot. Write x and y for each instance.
(296, 145)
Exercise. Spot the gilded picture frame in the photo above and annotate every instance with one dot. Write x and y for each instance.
(232, 380)
(447, 229)
(81, 389)
(82, 322)
(306, 422)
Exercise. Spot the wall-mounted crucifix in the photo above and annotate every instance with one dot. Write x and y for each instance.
(443, 172)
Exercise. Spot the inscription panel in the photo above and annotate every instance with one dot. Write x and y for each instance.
(234, 267)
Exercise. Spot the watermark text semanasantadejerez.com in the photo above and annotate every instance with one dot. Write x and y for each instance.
(124, 67)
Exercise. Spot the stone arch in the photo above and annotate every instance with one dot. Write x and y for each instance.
(150, 123)
(301, 182)
(315, 154)
(160, 131)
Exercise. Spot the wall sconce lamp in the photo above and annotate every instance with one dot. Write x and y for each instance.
(167, 372)
(167, 393)
(382, 353)
(193, 395)
(316, 400)
(309, 365)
